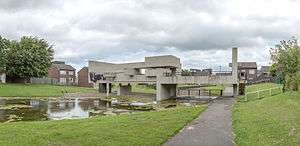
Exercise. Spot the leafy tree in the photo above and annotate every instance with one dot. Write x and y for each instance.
(4, 46)
(286, 59)
(186, 72)
(30, 57)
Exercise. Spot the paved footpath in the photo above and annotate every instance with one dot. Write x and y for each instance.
(211, 128)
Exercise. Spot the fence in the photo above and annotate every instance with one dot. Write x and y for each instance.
(262, 93)
(44, 81)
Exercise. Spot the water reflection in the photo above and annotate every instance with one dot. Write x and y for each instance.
(54, 109)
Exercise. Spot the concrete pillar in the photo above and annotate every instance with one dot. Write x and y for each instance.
(105, 87)
(235, 90)
(2, 78)
(124, 89)
(235, 65)
(165, 91)
(108, 89)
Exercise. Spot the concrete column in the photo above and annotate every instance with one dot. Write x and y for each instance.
(3, 78)
(235, 65)
(165, 91)
(105, 87)
(235, 90)
(124, 89)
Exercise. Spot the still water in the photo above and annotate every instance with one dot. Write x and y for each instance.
(12, 110)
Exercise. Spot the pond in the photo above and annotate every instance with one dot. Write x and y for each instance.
(12, 110)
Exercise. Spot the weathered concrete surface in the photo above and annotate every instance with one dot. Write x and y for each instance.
(211, 128)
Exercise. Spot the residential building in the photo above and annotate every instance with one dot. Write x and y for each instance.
(83, 77)
(199, 72)
(247, 71)
(65, 74)
(264, 70)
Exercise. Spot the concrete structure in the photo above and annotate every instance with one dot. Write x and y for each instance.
(2, 77)
(247, 71)
(83, 78)
(165, 71)
(64, 73)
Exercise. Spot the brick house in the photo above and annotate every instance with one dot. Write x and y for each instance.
(63, 73)
(247, 71)
(83, 77)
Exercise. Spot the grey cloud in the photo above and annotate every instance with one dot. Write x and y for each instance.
(15, 5)
(130, 31)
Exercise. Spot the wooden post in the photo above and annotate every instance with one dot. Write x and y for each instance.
(199, 92)
(221, 93)
(189, 93)
(209, 93)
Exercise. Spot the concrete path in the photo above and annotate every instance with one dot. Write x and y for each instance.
(211, 128)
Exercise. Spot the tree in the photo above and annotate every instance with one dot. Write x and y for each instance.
(186, 72)
(4, 46)
(286, 59)
(30, 57)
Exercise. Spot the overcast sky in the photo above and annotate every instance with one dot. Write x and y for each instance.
(200, 32)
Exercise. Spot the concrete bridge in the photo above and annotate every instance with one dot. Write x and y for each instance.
(160, 70)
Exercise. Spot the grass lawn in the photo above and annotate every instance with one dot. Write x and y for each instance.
(272, 120)
(277, 89)
(262, 86)
(139, 129)
(143, 89)
(39, 90)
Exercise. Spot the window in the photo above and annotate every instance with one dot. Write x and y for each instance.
(63, 80)
(71, 80)
(62, 72)
(252, 71)
(71, 72)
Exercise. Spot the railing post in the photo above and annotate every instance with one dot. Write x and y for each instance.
(199, 92)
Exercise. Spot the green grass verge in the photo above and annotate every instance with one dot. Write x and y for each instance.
(39, 90)
(139, 129)
(254, 96)
(143, 89)
(273, 120)
(262, 86)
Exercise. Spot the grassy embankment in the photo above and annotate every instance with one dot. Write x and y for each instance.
(273, 120)
(39, 90)
(146, 128)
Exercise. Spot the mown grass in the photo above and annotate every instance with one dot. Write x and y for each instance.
(39, 90)
(143, 89)
(273, 120)
(139, 129)
(274, 90)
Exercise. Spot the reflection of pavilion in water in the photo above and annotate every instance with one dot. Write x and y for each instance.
(73, 108)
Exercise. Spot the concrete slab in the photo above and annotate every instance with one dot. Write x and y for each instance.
(211, 128)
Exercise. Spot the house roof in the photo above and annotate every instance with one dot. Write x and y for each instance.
(241, 65)
(63, 66)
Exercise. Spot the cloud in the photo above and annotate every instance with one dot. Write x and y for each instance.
(200, 32)
(17, 5)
